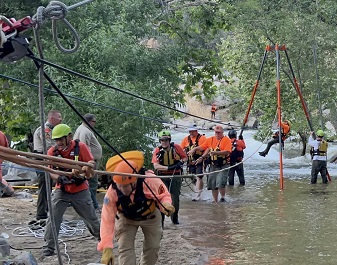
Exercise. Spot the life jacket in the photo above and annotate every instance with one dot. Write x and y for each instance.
(322, 149)
(213, 109)
(196, 155)
(73, 185)
(219, 160)
(236, 155)
(167, 157)
(141, 207)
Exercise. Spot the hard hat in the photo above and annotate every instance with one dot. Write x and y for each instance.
(193, 127)
(60, 131)
(135, 156)
(232, 134)
(320, 133)
(124, 167)
(164, 135)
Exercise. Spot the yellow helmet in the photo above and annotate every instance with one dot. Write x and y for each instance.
(320, 133)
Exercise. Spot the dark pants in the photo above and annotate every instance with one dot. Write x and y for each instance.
(93, 185)
(239, 171)
(318, 166)
(81, 203)
(270, 144)
(174, 185)
(42, 204)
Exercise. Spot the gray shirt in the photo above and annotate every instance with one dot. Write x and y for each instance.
(38, 145)
(85, 135)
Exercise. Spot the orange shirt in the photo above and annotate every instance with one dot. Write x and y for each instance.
(285, 128)
(240, 144)
(185, 143)
(224, 144)
(109, 210)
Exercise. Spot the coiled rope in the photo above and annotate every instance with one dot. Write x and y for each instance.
(57, 11)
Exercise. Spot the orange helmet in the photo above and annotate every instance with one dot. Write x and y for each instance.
(123, 167)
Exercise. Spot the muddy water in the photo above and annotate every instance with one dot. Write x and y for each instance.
(259, 223)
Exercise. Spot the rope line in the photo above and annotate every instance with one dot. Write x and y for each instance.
(96, 81)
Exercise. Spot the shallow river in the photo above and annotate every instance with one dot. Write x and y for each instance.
(261, 224)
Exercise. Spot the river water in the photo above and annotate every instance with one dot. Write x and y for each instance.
(260, 223)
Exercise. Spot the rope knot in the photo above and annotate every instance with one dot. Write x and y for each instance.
(56, 10)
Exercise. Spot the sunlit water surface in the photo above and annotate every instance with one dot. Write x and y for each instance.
(260, 223)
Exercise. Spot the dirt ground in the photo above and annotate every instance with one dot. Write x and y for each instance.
(81, 249)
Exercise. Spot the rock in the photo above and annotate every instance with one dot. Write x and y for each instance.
(252, 123)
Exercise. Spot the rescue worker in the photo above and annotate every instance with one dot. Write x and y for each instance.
(168, 159)
(70, 190)
(54, 118)
(188, 143)
(85, 135)
(219, 148)
(285, 129)
(213, 110)
(235, 158)
(130, 203)
(319, 156)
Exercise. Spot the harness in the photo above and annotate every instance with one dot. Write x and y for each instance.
(196, 155)
(141, 207)
(74, 155)
(235, 156)
(219, 160)
(284, 136)
(167, 157)
(322, 149)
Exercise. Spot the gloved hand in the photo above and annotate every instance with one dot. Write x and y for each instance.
(173, 167)
(63, 180)
(168, 209)
(179, 164)
(240, 137)
(108, 257)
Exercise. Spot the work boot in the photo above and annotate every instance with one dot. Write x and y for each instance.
(174, 219)
(197, 197)
(47, 252)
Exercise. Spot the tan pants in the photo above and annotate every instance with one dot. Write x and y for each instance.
(125, 233)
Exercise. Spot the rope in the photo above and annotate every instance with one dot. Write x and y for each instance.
(117, 89)
(56, 11)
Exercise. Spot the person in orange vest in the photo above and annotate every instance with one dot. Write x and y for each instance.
(188, 143)
(238, 145)
(213, 110)
(285, 129)
(72, 189)
(219, 148)
(131, 203)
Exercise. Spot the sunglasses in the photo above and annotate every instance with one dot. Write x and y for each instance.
(164, 140)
